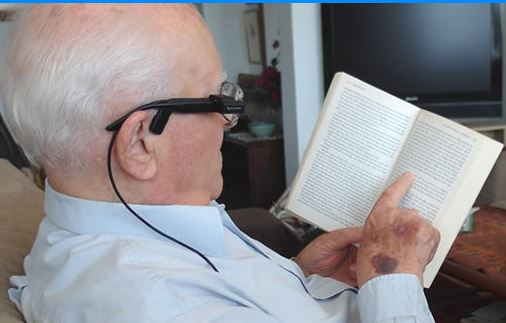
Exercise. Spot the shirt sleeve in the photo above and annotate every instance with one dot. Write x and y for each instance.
(393, 298)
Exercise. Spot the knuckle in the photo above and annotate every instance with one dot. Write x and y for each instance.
(378, 216)
(409, 216)
(387, 196)
(413, 213)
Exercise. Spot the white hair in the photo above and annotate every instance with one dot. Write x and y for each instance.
(60, 82)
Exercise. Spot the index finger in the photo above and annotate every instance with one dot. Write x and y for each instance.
(395, 192)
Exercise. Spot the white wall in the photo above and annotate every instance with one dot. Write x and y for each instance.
(272, 27)
(302, 78)
(226, 24)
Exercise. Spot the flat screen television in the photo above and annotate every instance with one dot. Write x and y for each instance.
(446, 58)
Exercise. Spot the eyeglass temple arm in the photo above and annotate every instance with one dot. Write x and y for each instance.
(215, 103)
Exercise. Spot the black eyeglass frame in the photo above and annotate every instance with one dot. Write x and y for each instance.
(214, 103)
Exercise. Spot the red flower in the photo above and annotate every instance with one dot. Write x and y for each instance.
(270, 81)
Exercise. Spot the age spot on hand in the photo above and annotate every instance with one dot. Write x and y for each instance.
(405, 229)
(384, 264)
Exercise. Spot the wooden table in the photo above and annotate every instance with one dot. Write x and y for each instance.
(253, 171)
(479, 257)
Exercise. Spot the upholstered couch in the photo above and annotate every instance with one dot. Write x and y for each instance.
(20, 214)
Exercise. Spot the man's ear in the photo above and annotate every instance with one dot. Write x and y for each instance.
(134, 146)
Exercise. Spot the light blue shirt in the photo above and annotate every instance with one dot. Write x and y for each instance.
(93, 261)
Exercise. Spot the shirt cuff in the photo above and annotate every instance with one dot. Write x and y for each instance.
(324, 288)
(19, 282)
(393, 297)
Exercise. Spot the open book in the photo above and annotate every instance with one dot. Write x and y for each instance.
(364, 139)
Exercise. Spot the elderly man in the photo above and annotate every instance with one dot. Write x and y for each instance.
(131, 96)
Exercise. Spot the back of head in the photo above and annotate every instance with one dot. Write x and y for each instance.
(70, 69)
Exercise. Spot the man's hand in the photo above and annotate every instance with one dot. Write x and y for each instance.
(395, 240)
(332, 255)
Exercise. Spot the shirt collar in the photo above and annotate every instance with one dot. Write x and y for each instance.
(201, 227)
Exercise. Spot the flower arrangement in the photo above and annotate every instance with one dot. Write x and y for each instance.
(270, 79)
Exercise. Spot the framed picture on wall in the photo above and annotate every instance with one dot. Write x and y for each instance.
(254, 35)
(7, 15)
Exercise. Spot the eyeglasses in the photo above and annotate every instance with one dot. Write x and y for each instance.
(234, 91)
(227, 102)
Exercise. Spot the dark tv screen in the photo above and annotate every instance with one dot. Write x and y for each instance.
(446, 58)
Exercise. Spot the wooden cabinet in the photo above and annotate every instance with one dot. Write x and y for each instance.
(253, 172)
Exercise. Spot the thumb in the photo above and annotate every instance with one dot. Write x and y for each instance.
(342, 238)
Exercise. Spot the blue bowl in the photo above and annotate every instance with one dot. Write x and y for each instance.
(261, 128)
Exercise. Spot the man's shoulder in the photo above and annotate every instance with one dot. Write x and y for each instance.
(104, 274)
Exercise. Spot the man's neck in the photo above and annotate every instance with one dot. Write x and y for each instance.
(93, 188)
(81, 186)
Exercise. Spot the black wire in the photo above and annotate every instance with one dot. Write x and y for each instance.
(149, 225)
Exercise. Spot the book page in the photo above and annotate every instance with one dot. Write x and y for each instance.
(351, 153)
(451, 163)
(437, 154)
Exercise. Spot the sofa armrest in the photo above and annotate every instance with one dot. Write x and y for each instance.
(263, 226)
(20, 214)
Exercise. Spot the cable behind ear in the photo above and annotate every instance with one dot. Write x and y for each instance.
(140, 218)
(159, 121)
